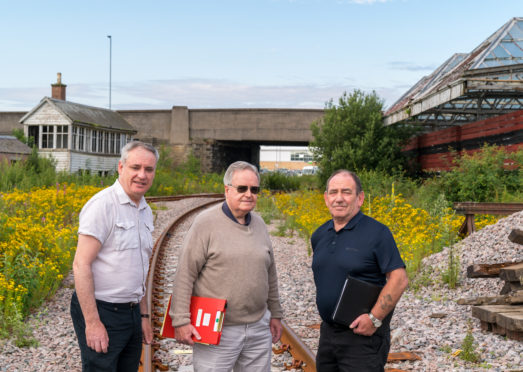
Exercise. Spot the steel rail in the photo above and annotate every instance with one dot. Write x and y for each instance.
(146, 362)
(303, 357)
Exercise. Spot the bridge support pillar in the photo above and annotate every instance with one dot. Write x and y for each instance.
(179, 126)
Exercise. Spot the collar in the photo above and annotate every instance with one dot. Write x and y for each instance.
(123, 198)
(228, 213)
(350, 225)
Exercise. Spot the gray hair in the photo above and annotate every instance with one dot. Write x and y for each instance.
(134, 144)
(238, 166)
(352, 174)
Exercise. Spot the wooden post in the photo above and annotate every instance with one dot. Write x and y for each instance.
(471, 226)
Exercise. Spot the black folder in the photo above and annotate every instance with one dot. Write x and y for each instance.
(357, 297)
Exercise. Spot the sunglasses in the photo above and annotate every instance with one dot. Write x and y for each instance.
(243, 189)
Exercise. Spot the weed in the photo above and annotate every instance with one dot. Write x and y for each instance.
(266, 208)
(468, 347)
(421, 279)
(446, 349)
(451, 274)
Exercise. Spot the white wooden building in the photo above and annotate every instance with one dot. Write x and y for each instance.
(78, 137)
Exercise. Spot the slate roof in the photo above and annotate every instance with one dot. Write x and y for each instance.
(11, 145)
(87, 115)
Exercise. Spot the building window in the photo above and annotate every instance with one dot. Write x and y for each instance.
(100, 141)
(94, 141)
(123, 140)
(112, 143)
(33, 135)
(117, 144)
(81, 137)
(301, 156)
(106, 142)
(75, 138)
(61, 136)
(47, 136)
(88, 140)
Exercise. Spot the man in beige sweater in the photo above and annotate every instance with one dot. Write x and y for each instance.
(227, 254)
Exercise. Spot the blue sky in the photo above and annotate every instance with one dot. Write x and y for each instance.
(232, 53)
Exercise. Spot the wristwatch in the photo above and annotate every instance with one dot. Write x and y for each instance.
(375, 321)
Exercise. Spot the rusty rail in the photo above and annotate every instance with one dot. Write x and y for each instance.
(469, 209)
(147, 362)
(303, 357)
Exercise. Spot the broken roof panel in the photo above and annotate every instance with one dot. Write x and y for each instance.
(492, 73)
(505, 46)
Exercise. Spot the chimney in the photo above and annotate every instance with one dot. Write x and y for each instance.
(58, 89)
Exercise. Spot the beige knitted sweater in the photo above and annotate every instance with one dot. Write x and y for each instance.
(224, 259)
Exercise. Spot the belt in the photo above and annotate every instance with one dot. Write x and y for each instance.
(337, 325)
(119, 305)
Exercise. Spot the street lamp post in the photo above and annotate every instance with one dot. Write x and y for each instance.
(110, 66)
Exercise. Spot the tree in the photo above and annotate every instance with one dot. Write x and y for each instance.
(352, 136)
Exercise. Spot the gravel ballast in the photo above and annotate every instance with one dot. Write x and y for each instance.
(413, 328)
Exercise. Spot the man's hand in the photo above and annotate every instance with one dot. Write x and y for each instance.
(276, 329)
(362, 325)
(184, 334)
(147, 331)
(96, 336)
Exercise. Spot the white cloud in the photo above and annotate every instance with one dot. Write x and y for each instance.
(193, 93)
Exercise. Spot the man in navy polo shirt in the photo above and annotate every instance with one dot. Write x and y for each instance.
(353, 243)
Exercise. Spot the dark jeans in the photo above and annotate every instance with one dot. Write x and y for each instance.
(124, 328)
(341, 350)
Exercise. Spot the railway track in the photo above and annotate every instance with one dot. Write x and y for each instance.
(157, 293)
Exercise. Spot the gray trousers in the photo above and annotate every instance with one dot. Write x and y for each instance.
(242, 348)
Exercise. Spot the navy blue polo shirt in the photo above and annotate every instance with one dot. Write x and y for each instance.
(364, 248)
(228, 213)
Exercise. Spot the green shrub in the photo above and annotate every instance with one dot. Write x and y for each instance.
(279, 181)
(266, 207)
(490, 175)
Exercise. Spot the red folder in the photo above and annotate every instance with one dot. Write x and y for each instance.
(206, 315)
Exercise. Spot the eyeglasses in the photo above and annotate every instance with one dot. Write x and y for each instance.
(243, 189)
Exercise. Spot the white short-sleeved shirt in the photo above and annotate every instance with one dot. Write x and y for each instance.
(124, 229)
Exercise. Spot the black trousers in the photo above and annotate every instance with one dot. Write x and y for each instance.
(124, 328)
(341, 350)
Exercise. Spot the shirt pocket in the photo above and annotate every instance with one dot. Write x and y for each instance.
(126, 235)
(148, 240)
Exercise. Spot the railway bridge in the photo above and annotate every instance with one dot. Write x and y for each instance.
(216, 136)
(220, 136)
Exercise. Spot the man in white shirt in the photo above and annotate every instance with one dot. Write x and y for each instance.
(108, 309)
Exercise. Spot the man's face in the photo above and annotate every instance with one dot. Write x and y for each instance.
(241, 203)
(341, 197)
(137, 174)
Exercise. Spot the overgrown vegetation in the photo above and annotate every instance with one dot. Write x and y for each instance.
(170, 179)
(36, 171)
(490, 174)
(186, 178)
(352, 135)
(39, 209)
